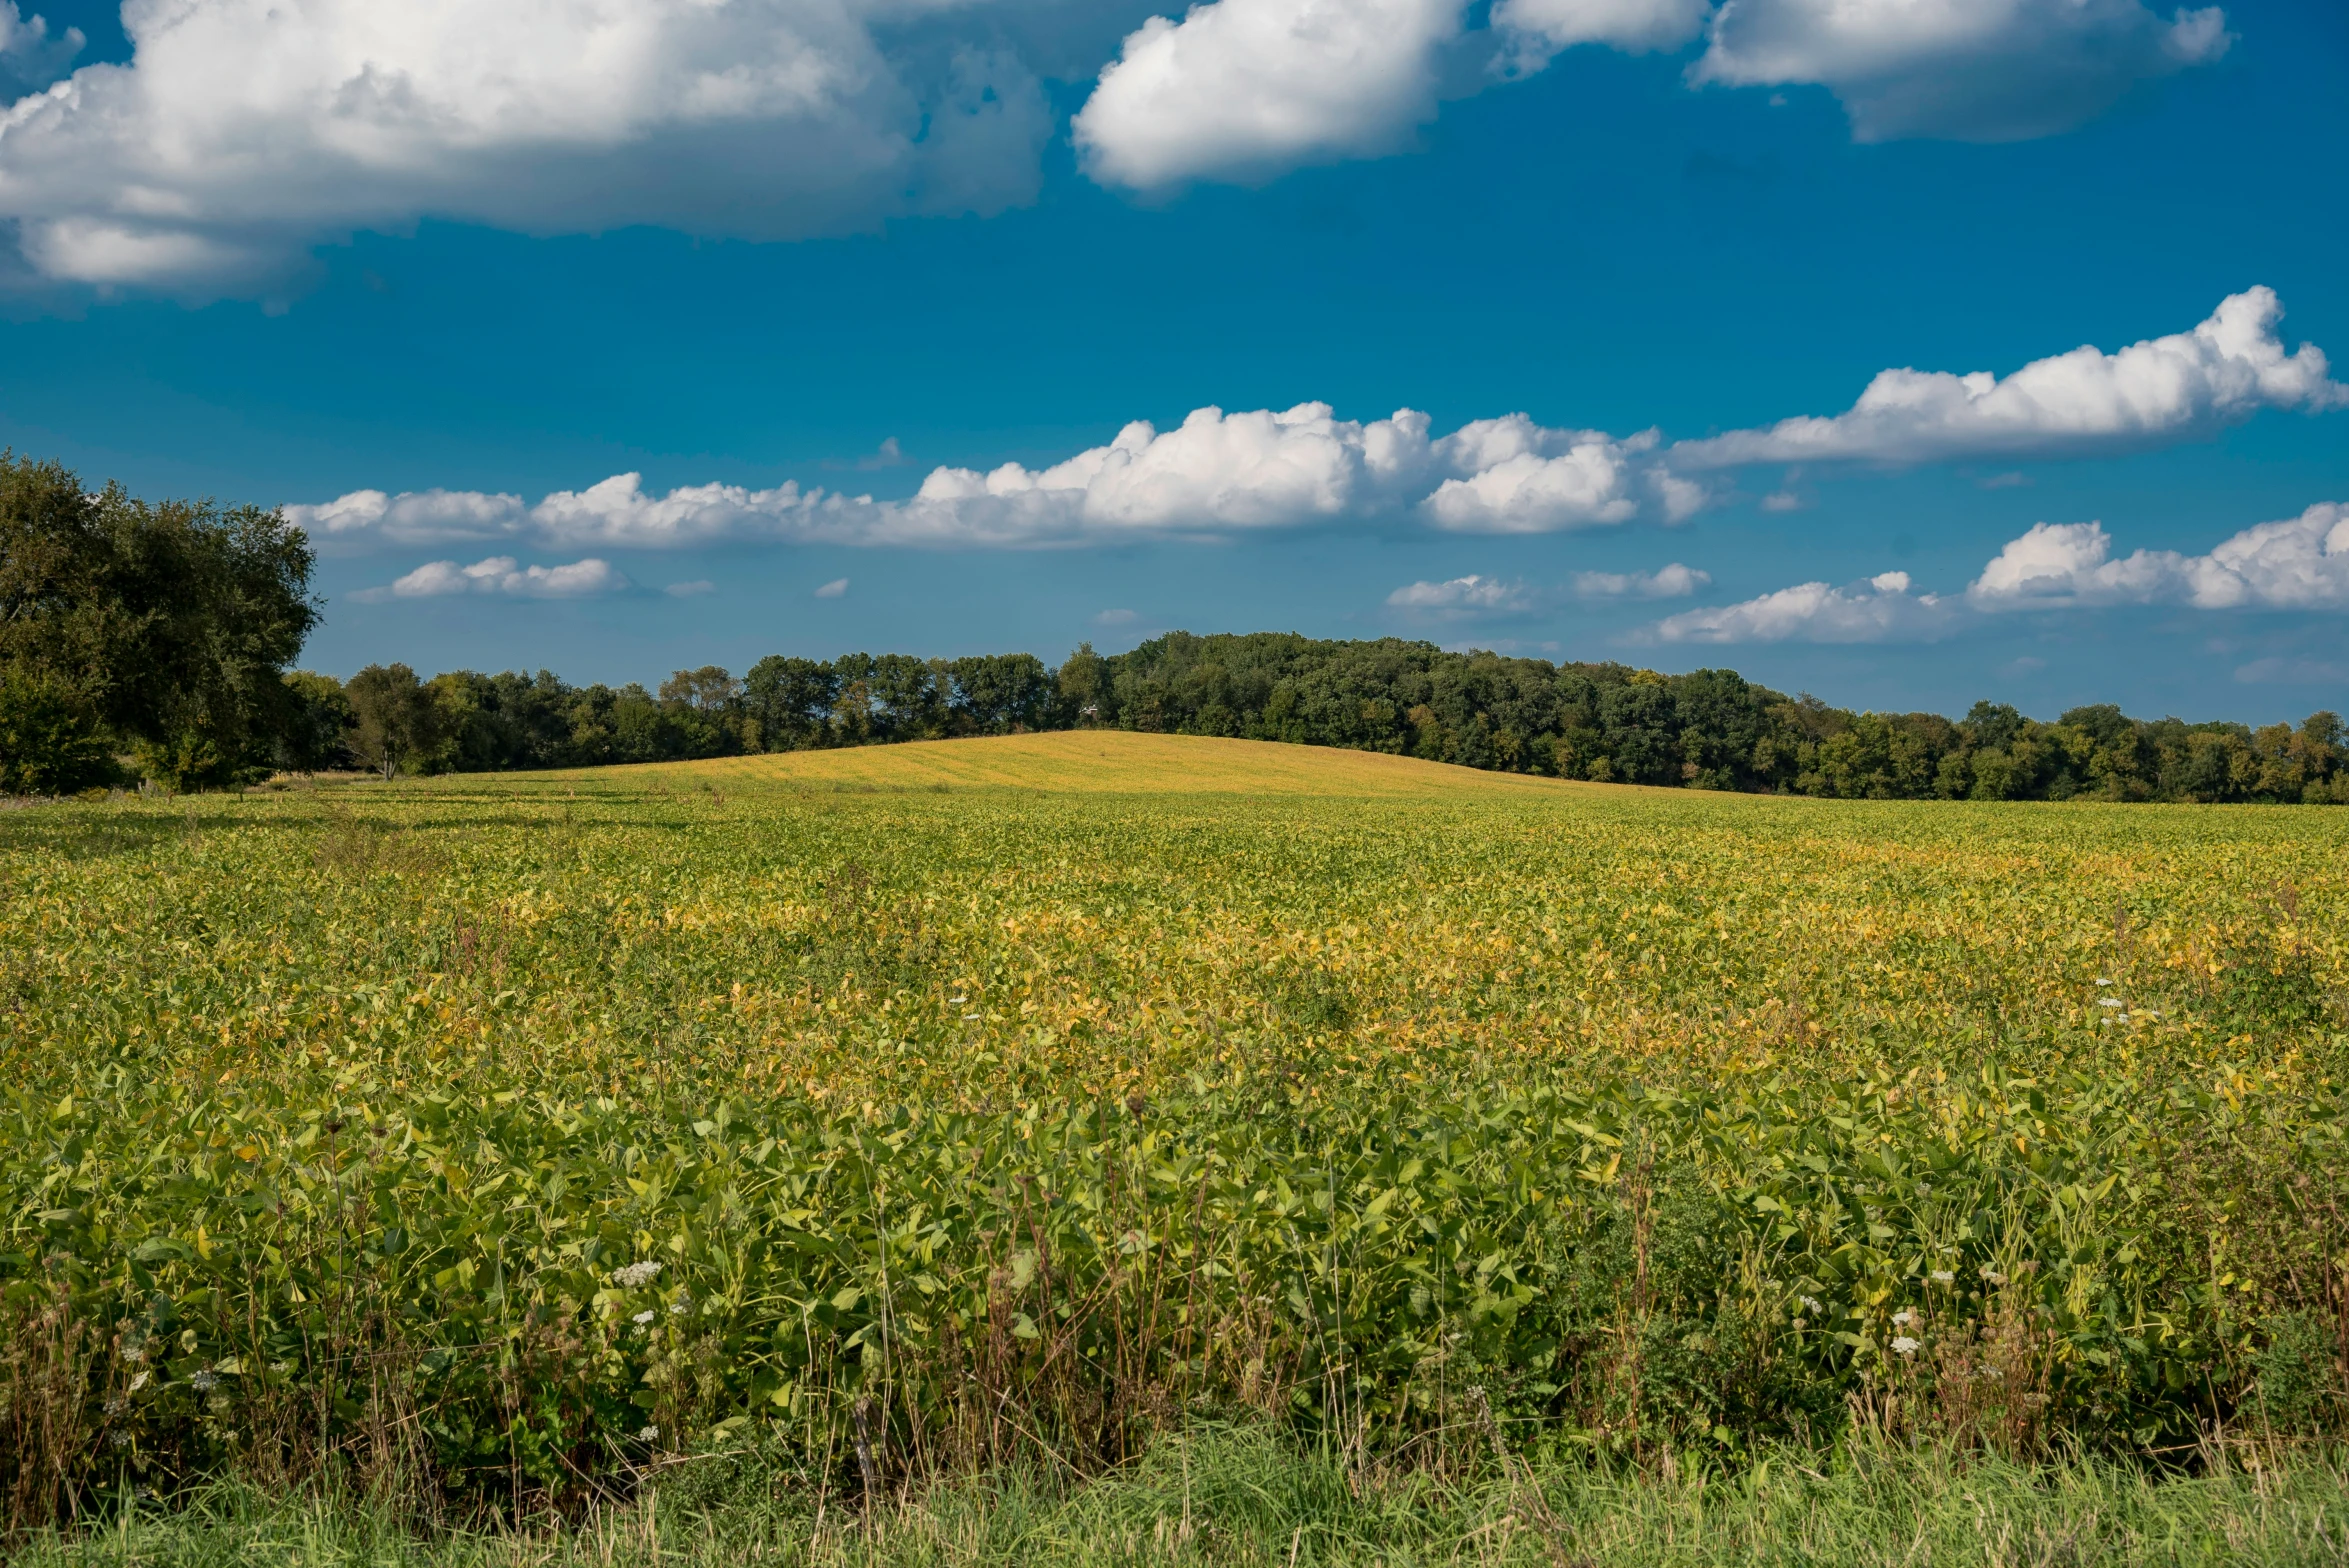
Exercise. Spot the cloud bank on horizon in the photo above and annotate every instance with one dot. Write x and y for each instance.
(1215, 473)
(240, 134)
(2296, 563)
(1223, 474)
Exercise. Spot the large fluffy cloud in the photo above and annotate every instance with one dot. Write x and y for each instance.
(2298, 563)
(1239, 89)
(1215, 473)
(243, 131)
(1881, 609)
(2086, 401)
(1248, 87)
(1971, 70)
(1517, 477)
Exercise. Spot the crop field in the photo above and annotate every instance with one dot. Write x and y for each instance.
(917, 1110)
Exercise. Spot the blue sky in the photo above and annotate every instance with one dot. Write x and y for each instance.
(433, 275)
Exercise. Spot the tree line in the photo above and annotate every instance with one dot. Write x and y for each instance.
(155, 642)
(1709, 729)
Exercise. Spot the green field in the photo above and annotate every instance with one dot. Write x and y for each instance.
(996, 1104)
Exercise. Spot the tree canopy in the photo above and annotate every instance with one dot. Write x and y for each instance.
(1707, 729)
(159, 629)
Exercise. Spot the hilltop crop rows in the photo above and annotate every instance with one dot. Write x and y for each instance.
(505, 1135)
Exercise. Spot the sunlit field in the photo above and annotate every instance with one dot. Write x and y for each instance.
(911, 1112)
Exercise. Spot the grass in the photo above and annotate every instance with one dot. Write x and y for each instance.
(1244, 1497)
(994, 1104)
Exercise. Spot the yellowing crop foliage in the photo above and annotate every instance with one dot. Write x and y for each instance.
(931, 1105)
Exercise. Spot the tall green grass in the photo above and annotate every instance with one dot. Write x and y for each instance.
(1246, 1497)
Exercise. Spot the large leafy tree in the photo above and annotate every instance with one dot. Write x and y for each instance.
(164, 627)
(398, 720)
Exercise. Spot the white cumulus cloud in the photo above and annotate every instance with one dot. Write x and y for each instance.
(501, 574)
(2297, 563)
(1219, 473)
(1969, 70)
(1880, 609)
(1516, 477)
(369, 517)
(1472, 595)
(2294, 563)
(2087, 401)
(1668, 582)
(242, 132)
(837, 588)
(1215, 473)
(1242, 88)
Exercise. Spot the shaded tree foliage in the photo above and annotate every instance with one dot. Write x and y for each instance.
(158, 629)
(394, 718)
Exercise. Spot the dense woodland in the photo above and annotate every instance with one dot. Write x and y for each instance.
(1710, 729)
(153, 642)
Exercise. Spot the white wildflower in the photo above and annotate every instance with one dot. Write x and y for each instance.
(117, 1405)
(635, 1276)
(204, 1382)
(958, 999)
(648, 1434)
(1903, 1318)
(2108, 1001)
(642, 1317)
(1944, 1277)
(2100, 980)
(1904, 1346)
(1993, 1276)
(1811, 1304)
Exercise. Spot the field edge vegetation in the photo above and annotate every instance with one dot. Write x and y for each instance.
(1248, 1498)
